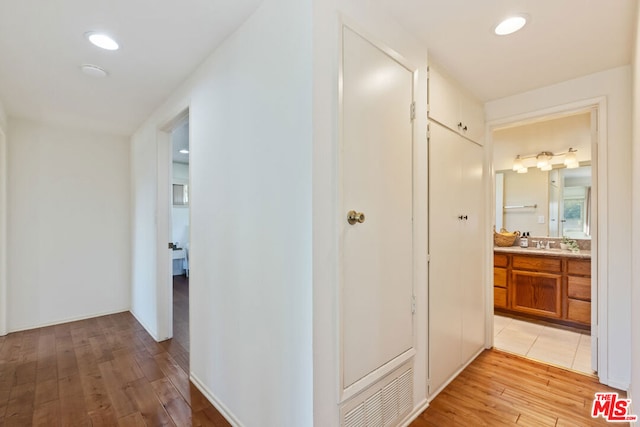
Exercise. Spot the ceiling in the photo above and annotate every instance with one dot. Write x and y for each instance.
(564, 39)
(162, 42)
(42, 45)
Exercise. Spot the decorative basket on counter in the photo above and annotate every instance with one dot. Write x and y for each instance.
(504, 238)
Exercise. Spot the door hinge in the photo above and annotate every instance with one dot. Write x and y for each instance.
(428, 132)
(413, 110)
(413, 304)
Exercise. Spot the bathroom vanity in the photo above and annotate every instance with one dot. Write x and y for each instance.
(547, 284)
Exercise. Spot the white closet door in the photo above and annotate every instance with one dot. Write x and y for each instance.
(471, 250)
(445, 317)
(376, 157)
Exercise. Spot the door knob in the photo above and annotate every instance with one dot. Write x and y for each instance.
(353, 217)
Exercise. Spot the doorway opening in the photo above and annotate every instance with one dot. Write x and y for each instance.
(180, 236)
(548, 310)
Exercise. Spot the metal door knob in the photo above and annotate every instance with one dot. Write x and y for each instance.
(353, 217)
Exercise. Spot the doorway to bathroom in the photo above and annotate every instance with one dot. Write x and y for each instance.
(546, 286)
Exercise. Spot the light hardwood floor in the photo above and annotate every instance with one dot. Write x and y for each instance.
(501, 389)
(105, 371)
(108, 371)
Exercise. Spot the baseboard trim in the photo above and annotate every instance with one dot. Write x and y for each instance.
(226, 413)
(146, 327)
(415, 413)
(69, 320)
(620, 385)
(455, 375)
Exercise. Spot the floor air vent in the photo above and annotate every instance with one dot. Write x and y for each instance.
(384, 404)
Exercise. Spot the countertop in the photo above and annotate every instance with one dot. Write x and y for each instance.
(583, 254)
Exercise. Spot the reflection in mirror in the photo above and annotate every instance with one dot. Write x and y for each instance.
(545, 199)
(554, 204)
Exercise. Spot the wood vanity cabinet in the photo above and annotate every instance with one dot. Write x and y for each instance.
(500, 280)
(553, 288)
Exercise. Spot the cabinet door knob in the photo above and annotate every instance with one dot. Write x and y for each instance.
(355, 217)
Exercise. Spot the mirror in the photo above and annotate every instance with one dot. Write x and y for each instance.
(180, 194)
(553, 204)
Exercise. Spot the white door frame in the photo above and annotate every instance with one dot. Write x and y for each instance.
(599, 251)
(164, 263)
(3, 232)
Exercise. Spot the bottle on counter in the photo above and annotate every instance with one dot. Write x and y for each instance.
(524, 240)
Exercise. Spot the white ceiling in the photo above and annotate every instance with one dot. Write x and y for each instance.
(163, 41)
(563, 40)
(42, 45)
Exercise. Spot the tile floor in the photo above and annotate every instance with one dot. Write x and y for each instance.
(559, 347)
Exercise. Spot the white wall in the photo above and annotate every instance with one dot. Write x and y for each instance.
(250, 282)
(3, 117)
(68, 220)
(635, 283)
(3, 222)
(615, 84)
(144, 292)
(376, 23)
(554, 135)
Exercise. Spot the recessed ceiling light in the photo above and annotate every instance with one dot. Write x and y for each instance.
(93, 70)
(183, 151)
(102, 40)
(510, 25)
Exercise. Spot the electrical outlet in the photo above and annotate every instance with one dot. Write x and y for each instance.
(541, 219)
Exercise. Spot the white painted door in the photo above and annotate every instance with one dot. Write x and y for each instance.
(445, 295)
(470, 248)
(456, 231)
(376, 180)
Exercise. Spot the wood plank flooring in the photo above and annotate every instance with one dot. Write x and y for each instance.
(501, 389)
(105, 371)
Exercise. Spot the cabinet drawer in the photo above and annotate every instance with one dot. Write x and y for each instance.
(499, 260)
(500, 277)
(579, 288)
(499, 297)
(579, 266)
(579, 311)
(537, 264)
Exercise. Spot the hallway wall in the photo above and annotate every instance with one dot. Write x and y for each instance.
(635, 226)
(68, 224)
(250, 265)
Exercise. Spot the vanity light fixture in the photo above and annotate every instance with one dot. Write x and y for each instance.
(102, 40)
(544, 160)
(510, 25)
(518, 166)
(570, 159)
